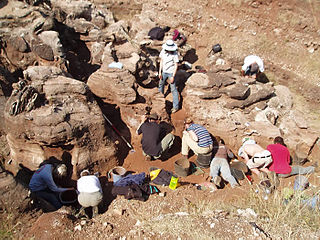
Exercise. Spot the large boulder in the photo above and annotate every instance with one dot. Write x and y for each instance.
(64, 117)
(113, 85)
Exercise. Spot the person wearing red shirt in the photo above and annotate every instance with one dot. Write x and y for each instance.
(281, 160)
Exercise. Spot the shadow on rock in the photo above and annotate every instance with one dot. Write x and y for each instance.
(3, 3)
(116, 129)
(263, 78)
(107, 195)
(191, 56)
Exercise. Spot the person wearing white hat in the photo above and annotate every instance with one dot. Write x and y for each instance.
(168, 67)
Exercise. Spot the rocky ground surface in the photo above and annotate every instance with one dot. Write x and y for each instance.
(284, 33)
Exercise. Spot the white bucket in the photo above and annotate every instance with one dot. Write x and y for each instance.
(117, 173)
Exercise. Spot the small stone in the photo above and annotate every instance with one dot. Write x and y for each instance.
(77, 228)
(83, 222)
(162, 194)
(118, 212)
(138, 223)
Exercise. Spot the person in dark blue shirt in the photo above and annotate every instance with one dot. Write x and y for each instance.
(42, 183)
(153, 146)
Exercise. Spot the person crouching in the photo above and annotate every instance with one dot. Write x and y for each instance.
(90, 192)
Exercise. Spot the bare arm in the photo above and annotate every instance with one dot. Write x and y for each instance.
(245, 156)
(193, 135)
(160, 68)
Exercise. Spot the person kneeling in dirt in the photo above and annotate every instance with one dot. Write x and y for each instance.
(195, 137)
(281, 160)
(220, 163)
(256, 158)
(153, 145)
(42, 184)
(90, 192)
(252, 67)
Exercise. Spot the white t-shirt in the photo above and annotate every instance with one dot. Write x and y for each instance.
(252, 59)
(168, 61)
(89, 184)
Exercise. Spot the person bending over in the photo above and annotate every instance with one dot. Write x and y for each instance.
(281, 160)
(252, 66)
(220, 164)
(153, 145)
(195, 137)
(90, 192)
(42, 183)
(256, 158)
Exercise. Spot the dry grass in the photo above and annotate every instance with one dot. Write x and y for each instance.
(282, 221)
(296, 218)
(7, 225)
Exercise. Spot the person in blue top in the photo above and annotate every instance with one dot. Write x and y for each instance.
(42, 183)
(195, 137)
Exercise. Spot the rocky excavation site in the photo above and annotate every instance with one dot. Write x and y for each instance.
(60, 97)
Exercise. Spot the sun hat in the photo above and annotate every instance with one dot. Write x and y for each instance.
(153, 116)
(170, 45)
(84, 173)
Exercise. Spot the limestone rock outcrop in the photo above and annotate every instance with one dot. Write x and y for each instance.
(66, 118)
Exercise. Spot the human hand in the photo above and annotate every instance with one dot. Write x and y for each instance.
(171, 80)
(160, 76)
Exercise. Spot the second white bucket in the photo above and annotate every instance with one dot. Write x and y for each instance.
(117, 173)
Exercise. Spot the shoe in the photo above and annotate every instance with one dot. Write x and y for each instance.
(148, 158)
(173, 110)
(95, 211)
(217, 181)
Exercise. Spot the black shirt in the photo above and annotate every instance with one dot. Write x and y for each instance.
(151, 139)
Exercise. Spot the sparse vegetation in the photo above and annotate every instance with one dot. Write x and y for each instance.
(280, 220)
(6, 223)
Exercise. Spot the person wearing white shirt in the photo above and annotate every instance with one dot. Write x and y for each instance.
(169, 59)
(90, 192)
(252, 66)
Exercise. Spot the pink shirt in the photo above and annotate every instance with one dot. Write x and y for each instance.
(281, 158)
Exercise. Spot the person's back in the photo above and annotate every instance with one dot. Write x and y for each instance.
(37, 182)
(151, 142)
(204, 138)
(43, 186)
(90, 192)
(43, 179)
(89, 184)
(252, 149)
(281, 158)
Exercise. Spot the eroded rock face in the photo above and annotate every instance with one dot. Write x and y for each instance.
(66, 117)
(114, 85)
